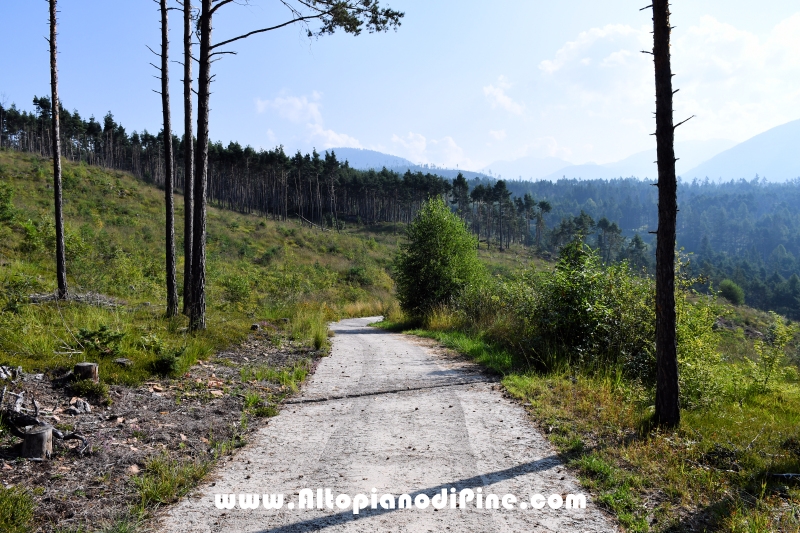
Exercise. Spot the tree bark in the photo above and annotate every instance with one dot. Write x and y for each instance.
(188, 157)
(169, 178)
(87, 371)
(61, 264)
(197, 316)
(667, 409)
(38, 442)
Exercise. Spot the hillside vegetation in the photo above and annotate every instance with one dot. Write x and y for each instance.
(575, 343)
(258, 269)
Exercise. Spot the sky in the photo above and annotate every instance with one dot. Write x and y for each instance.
(462, 83)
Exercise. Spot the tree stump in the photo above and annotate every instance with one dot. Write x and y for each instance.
(38, 443)
(87, 371)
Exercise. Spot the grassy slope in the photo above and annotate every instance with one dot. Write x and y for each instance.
(257, 270)
(714, 474)
(295, 277)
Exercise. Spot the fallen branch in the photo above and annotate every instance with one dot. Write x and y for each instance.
(22, 424)
(304, 219)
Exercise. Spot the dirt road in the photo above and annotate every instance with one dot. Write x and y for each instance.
(386, 414)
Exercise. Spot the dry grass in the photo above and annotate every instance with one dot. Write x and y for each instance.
(258, 269)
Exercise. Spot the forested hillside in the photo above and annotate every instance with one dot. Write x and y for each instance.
(115, 247)
(319, 188)
(745, 231)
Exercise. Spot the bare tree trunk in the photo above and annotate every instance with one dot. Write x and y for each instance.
(197, 316)
(169, 185)
(188, 157)
(667, 412)
(61, 265)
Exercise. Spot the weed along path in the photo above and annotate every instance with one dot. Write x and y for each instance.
(384, 416)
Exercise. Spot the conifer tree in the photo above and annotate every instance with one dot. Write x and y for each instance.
(352, 16)
(61, 264)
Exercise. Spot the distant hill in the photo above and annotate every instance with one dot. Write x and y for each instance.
(367, 159)
(689, 154)
(370, 159)
(774, 155)
(642, 164)
(526, 168)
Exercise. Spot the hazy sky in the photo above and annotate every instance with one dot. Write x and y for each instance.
(462, 82)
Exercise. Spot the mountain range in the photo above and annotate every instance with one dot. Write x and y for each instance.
(370, 159)
(773, 154)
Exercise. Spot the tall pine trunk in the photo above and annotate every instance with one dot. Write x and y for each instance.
(188, 157)
(197, 316)
(667, 412)
(169, 181)
(61, 264)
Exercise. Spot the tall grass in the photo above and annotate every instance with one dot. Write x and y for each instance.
(575, 344)
(257, 270)
(165, 480)
(289, 377)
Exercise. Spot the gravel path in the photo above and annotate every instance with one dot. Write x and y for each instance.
(389, 412)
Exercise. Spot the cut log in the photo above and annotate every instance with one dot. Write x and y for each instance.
(88, 371)
(38, 443)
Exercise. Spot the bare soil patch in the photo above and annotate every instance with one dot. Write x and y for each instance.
(197, 417)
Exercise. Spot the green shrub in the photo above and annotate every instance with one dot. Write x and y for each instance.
(32, 239)
(165, 479)
(167, 363)
(152, 343)
(266, 411)
(100, 342)
(582, 313)
(6, 206)
(271, 253)
(86, 388)
(359, 275)
(237, 288)
(597, 317)
(16, 510)
(771, 351)
(731, 292)
(700, 366)
(17, 289)
(438, 262)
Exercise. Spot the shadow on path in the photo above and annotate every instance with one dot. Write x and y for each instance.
(315, 524)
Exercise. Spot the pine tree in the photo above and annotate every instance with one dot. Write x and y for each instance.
(348, 15)
(61, 264)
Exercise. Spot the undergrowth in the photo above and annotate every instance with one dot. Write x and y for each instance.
(16, 510)
(575, 345)
(258, 270)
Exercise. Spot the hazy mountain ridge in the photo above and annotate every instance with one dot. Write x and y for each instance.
(773, 154)
(372, 160)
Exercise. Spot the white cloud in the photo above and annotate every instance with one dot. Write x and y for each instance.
(331, 139)
(737, 82)
(603, 69)
(498, 134)
(307, 111)
(587, 41)
(498, 97)
(443, 152)
(294, 108)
